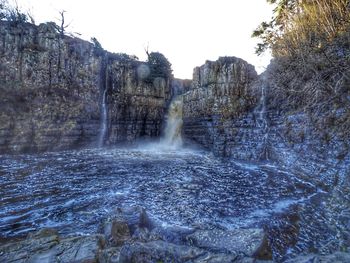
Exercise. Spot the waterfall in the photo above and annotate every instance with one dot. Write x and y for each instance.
(262, 121)
(103, 125)
(172, 133)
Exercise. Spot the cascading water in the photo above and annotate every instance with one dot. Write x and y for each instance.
(262, 121)
(103, 128)
(172, 133)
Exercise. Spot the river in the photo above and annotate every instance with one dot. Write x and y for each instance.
(74, 191)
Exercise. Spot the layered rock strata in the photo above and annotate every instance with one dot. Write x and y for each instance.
(218, 108)
(235, 114)
(52, 87)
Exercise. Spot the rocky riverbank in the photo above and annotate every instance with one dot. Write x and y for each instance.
(131, 236)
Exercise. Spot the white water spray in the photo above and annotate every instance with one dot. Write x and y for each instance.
(172, 133)
(103, 128)
(262, 121)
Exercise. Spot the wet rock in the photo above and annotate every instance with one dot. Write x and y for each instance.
(216, 258)
(36, 244)
(79, 249)
(144, 221)
(338, 257)
(239, 241)
(158, 251)
(129, 223)
(252, 260)
(116, 231)
(136, 217)
(46, 246)
(173, 234)
(109, 255)
(144, 235)
(161, 251)
(120, 232)
(43, 233)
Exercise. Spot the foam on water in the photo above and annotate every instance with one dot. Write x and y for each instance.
(181, 187)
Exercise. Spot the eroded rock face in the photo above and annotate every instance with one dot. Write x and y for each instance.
(51, 88)
(246, 242)
(46, 246)
(262, 127)
(335, 257)
(216, 106)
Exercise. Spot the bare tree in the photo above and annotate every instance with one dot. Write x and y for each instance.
(63, 26)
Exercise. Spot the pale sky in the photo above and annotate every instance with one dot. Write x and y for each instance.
(187, 32)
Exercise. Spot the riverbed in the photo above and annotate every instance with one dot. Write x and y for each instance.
(74, 191)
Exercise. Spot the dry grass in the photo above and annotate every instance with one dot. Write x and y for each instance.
(311, 23)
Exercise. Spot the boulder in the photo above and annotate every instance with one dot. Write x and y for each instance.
(173, 234)
(116, 231)
(109, 255)
(337, 257)
(79, 249)
(161, 251)
(37, 246)
(46, 246)
(247, 242)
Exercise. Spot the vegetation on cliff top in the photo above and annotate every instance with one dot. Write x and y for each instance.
(300, 24)
(310, 73)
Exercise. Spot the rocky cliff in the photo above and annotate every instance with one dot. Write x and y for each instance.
(234, 113)
(54, 89)
(218, 108)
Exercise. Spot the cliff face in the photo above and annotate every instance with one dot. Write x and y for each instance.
(217, 106)
(235, 114)
(52, 89)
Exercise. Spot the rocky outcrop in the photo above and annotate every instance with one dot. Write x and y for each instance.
(52, 88)
(233, 112)
(47, 246)
(246, 241)
(216, 108)
(310, 143)
(137, 238)
(334, 257)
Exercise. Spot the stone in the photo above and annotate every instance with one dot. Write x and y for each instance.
(109, 255)
(79, 249)
(337, 257)
(116, 231)
(129, 223)
(161, 251)
(135, 216)
(158, 251)
(37, 245)
(173, 234)
(144, 221)
(120, 232)
(216, 258)
(46, 246)
(246, 242)
(42, 233)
